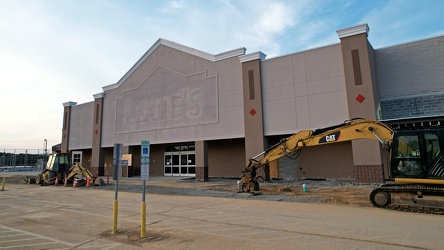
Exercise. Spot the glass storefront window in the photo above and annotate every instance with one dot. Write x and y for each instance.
(192, 159)
(180, 160)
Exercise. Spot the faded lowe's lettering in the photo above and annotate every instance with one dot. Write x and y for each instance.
(178, 107)
(168, 100)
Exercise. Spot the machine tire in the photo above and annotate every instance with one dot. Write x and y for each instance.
(39, 179)
(380, 198)
(49, 177)
(29, 179)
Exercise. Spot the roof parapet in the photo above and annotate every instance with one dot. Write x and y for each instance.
(99, 95)
(69, 104)
(252, 56)
(354, 30)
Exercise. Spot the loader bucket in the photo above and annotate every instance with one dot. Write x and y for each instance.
(79, 172)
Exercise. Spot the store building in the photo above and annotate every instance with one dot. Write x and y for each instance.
(206, 115)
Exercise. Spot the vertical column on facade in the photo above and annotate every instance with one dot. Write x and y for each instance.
(362, 98)
(66, 125)
(253, 113)
(97, 157)
(201, 151)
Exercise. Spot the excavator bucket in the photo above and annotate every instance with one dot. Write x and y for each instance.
(79, 172)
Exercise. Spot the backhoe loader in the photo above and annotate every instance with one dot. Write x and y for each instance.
(58, 168)
(416, 178)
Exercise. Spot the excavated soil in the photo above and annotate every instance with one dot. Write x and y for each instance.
(318, 191)
(323, 191)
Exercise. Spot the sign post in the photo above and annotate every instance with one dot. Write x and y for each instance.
(144, 174)
(117, 158)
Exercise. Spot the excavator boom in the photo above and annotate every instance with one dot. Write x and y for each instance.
(350, 130)
(291, 146)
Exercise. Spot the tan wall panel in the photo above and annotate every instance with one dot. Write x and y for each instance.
(278, 72)
(178, 60)
(280, 121)
(299, 72)
(327, 85)
(304, 90)
(86, 160)
(326, 161)
(302, 113)
(81, 127)
(327, 109)
(369, 152)
(142, 72)
(324, 63)
(274, 169)
(226, 158)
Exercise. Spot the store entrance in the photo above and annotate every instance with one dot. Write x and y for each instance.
(180, 160)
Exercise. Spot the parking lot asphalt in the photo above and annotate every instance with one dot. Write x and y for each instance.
(49, 217)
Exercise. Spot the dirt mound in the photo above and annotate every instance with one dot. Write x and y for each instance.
(326, 191)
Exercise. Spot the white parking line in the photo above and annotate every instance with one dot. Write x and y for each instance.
(3, 241)
(11, 235)
(32, 236)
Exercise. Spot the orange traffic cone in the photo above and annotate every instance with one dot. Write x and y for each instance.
(75, 184)
(56, 182)
(65, 184)
(88, 182)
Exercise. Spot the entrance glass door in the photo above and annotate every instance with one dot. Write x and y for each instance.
(180, 160)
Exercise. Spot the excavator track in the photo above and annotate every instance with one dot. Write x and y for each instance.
(408, 198)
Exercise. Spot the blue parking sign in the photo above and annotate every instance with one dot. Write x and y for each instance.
(145, 148)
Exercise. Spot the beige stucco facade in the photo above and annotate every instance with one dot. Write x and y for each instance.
(208, 114)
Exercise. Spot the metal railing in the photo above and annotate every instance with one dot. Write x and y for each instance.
(16, 160)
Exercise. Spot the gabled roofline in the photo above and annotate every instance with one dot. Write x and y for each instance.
(189, 50)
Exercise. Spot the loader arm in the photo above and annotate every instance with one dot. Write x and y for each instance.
(291, 146)
(77, 169)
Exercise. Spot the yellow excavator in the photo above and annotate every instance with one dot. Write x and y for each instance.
(416, 161)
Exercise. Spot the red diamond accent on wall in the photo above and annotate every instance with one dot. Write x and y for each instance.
(97, 131)
(360, 98)
(252, 112)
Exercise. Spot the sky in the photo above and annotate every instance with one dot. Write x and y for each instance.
(55, 51)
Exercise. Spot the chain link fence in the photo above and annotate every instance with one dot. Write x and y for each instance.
(16, 160)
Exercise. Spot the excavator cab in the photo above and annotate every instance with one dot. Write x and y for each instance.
(418, 154)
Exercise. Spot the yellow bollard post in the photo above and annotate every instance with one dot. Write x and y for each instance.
(116, 204)
(3, 183)
(143, 222)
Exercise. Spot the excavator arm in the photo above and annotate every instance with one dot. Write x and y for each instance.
(291, 146)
